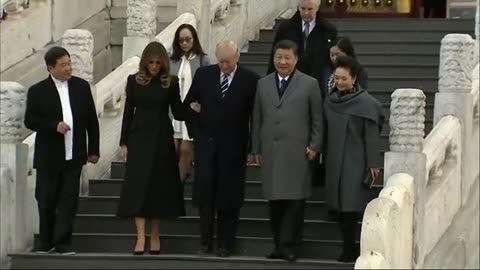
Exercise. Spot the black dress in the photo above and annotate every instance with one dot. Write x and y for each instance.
(152, 187)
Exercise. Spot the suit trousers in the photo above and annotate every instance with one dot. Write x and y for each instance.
(227, 224)
(286, 221)
(56, 192)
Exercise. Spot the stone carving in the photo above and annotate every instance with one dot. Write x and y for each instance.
(457, 60)
(192, 6)
(13, 98)
(407, 120)
(79, 43)
(141, 18)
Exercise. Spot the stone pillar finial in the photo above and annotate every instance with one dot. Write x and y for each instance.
(457, 60)
(407, 120)
(79, 43)
(142, 18)
(13, 98)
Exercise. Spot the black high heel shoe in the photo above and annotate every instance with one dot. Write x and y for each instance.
(155, 252)
(138, 252)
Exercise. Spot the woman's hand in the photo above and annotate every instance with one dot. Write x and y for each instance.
(123, 151)
(375, 172)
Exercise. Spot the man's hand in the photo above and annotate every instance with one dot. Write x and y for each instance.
(93, 159)
(310, 153)
(123, 151)
(63, 128)
(196, 106)
(375, 173)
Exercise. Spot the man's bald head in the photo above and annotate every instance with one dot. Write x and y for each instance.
(228, 54)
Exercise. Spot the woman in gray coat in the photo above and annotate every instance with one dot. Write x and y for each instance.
(354, 121)
(187, 57)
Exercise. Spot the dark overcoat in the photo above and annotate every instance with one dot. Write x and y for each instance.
(221, 133)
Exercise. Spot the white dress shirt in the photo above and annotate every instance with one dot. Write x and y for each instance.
(280, 78)
(62, 88)
(312, 25)
(230, 77)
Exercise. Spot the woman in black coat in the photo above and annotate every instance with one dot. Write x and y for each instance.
(152, 188)
(344, 47)
(354, 121)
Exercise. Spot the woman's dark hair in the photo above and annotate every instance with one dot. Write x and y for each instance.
(348, 63)
(153, 49)
(53, 54)
(286, 45)
(346, 46)
(177, 51)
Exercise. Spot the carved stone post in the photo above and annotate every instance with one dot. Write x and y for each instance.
(457, 61)
(13, 179)
(141, 26)
(202, 11)
(407, 117)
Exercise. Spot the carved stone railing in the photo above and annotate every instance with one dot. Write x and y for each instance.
(444, 166)
(387, 228)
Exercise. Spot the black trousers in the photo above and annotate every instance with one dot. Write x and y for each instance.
(56, 193)
(347, 226)
(286, 221)
(227, 224)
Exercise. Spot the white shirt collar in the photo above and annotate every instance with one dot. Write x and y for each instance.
(58, 82)
(231, 73)
(280, 78)
(312, 25)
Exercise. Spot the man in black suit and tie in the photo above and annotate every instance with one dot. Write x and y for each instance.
(221, 98)
(62, 112)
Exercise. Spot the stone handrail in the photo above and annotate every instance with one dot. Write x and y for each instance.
(219, 8)
(387, 227)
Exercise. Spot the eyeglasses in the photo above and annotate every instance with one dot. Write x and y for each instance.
(185, 40)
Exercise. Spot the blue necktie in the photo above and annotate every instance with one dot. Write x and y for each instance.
(224, 84)
(283, 86)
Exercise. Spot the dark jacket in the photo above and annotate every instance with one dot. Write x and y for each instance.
(316, 59)
(44, 112)
(221, 133)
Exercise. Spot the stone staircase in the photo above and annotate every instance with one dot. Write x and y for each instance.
(396, 54)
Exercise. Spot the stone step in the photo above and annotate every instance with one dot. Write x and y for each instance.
(411, 46)
(404, 24)
(252, 208)
(174, 261)
(379, 34)
(383, 69)
(313, 229)
(189, 245)
(371, 58)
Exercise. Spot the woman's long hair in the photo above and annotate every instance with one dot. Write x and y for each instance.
(177, 51)
(153, 49)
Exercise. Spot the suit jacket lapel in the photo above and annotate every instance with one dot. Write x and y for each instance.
(273, 89)
(55, 95)
(290, 88)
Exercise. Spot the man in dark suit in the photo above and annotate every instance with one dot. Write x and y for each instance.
(314, 36)
(62, 112)
(221, 98)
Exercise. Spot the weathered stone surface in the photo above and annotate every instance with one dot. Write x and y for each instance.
(102, 63)
(79, 43)
(407, 117)
(13, 98)
(99, 26)
(141, 18)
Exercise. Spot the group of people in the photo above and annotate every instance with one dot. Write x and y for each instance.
(309, 118)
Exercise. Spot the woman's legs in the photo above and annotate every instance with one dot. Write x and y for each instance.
(140, 242)
(347, 225)
(155, 236)
(185, 151)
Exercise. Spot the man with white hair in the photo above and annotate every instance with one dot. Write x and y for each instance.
(221, 100)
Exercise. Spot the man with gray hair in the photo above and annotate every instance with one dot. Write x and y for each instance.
(221, 101)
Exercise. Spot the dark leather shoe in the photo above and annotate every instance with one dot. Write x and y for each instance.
(290, 257)
(223, 252)
(274, 255)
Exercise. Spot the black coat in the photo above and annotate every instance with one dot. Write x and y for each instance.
(44, 112)
(152, 186)
(221, 133)
(315, 61)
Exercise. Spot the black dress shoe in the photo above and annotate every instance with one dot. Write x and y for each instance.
(205, 249)
(274, 255)
(290, 257)
(154, 252)
(223, 252)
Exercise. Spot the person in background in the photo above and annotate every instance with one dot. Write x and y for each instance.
(186, 58)
(354, 122)
(152, 188)
(62, 112)
(286, 136)
(221, 101)
(344, 47)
